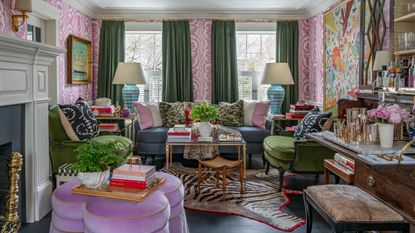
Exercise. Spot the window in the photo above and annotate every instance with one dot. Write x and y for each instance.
(254, 50)
(145, 47)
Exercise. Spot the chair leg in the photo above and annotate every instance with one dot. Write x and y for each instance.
(199, 177)
(267, 168)
(308, 215)
(249, 160)
(281, 178)
(263, 160)
(337, 179)
(241, 177)
(224, 183)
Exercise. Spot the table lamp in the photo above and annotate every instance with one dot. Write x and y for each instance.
(382, 59)
(129, 74)
(276, 74)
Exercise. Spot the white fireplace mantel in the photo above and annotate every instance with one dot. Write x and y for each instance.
(24, 80)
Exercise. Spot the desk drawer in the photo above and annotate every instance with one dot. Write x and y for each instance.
(380, 182)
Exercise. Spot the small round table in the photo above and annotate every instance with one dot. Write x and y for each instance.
(161, 212)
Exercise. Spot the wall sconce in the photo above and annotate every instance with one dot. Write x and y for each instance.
(23, 6)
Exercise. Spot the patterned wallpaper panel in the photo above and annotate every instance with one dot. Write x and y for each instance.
(71, 21)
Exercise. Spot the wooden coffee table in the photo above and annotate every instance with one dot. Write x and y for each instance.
(241, 145)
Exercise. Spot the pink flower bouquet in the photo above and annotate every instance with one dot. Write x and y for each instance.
(392, 114)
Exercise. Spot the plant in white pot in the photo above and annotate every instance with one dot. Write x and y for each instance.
(94, 162)
(204, 113)
(386, 117)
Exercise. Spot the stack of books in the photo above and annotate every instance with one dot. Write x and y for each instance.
(104, 111)
(179, 134)
(344, 161)
(108, 127)
(133, 176)
(299, 110)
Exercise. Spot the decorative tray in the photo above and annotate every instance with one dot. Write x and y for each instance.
(117, 192)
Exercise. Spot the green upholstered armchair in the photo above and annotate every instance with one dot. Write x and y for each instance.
(285, 154)
(61, 147)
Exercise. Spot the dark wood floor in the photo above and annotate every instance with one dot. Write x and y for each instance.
(200, 222)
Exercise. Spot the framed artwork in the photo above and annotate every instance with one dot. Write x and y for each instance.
(343, 51)
(79, 60)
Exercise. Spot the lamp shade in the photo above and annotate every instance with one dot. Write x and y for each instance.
(25, 5)
(129, 73)
(382, 59)
(277, 73)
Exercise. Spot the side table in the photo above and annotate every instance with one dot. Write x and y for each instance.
(340, 172)
(126, 125)
(277, 118)
(161, 212)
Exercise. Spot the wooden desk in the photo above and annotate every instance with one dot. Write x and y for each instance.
(392, 184)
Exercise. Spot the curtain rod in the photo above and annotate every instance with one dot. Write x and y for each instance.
(211, 18)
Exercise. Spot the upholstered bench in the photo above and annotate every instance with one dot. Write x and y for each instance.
(349, 208)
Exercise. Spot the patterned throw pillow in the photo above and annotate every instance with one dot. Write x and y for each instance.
(78, 121)
(313, 122)
(231, 114)
(172, 114)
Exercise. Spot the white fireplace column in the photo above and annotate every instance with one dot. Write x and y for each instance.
(24, 80)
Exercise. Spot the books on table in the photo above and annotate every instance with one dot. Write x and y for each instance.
(134, 176)
(104, 111)
(179, 136)
(344, 161)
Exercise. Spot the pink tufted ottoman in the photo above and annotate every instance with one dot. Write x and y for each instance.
(162, 212)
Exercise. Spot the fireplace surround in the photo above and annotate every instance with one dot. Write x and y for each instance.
(24, 81)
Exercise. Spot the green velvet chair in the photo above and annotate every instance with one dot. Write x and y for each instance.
(61, 147)
(285, 154)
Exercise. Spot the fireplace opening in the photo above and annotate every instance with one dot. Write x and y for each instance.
(12, 140)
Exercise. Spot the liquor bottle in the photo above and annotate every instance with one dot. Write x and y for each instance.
(411, 73)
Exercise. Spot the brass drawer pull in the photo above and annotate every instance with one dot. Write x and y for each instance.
(371, 181)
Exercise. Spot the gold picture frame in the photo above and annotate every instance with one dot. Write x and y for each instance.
(79, 60)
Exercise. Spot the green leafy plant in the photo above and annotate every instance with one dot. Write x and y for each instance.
(204, 113)
(96, 157)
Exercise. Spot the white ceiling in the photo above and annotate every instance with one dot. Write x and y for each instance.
(122, 8)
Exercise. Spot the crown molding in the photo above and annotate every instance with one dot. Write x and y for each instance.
(88, 7)
(310, 12)
(231, 14)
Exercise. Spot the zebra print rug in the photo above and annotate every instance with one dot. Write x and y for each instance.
(261, 200)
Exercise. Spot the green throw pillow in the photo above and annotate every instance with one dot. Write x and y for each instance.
(172, 114)
(231, 114)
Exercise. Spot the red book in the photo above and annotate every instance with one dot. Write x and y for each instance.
(175, 133)
(130, 183)
(292, 115)
(302, 107)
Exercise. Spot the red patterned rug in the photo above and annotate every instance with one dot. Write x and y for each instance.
(261, 201)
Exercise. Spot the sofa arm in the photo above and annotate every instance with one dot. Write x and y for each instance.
(310, 156)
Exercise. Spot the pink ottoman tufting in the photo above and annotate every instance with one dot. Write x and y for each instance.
(174, 191)
(162, 212)
(67, 215)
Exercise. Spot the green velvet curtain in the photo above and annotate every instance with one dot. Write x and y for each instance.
(111, 52)
(287, 51)
(224, 62)
(177, 61)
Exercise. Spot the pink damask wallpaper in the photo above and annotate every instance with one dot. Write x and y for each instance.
(310, 64)
(200, 36)
(73, 22)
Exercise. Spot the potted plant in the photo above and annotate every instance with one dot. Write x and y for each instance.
(94, 162)
(386, 117)
(204, 113)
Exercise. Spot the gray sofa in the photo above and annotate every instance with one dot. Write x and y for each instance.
(152, 141)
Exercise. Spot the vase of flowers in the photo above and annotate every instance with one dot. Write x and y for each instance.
(94, 162)
(204, 113)
(386, 117)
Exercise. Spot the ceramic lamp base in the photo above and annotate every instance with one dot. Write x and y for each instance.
(276, 95)
(130, 93)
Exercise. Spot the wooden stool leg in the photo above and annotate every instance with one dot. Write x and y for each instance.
(199, 177)
(308, 214)
(241, 177)
(224, 183)
(217, 178)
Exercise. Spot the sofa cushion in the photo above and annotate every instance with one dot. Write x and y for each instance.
(172, 114)
(231, 114)
(255, 113)
(313, 122)
(80, 120)
(153, 135)
(345, 203)
(148, 115)
(252, 134)
(280, 147)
